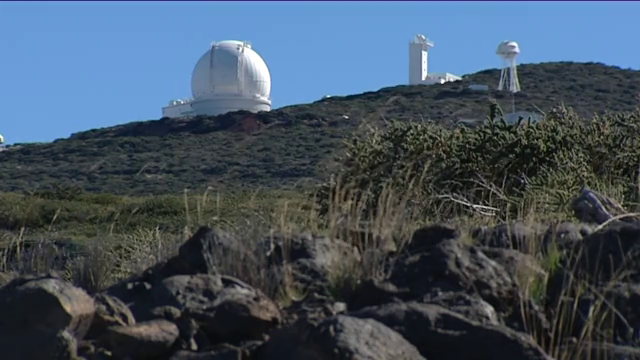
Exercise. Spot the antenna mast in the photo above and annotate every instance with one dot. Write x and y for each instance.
(508, 51)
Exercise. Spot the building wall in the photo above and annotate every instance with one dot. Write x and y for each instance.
(177, 110)
(479, 87)
(224, 105)
(418, 58)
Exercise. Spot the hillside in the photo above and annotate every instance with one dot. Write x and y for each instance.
(292, 145)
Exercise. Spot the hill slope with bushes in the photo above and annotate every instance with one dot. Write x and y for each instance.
(294, 145)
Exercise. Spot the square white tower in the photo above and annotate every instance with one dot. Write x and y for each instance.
(418, 58)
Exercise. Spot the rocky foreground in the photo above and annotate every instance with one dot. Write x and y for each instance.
(443, 298)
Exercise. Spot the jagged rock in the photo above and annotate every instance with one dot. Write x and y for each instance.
(426, 237)
(441, 334)
(224, 352)
(311, 258)
(202, 253)
(339, 337)
(516, 235)
(611, 252)
(470, 306)
(48, 302)
(37, 343)
(166, 312)
(375, 292)
(525, 268)
(145, 340)
(448, 265)
(566, 235)
(226, 309)
(208, 248)
(314, 307)
(592, 207)
(110, 311)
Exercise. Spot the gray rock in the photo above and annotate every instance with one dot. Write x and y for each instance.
(339, 337)
(226, 309)
(226, 353)
(441, 334)
(372, 292)
(311, 258)
(208, 249)
(145, 340)
(426, 237)
(517, 235)
(110, 311)
(166, 312)
(451, 266)
(604, 254)
(566, 234)
(48, 302)
(37, 343)
(472, 307)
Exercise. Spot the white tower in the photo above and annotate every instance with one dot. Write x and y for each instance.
(508, 51)
(418, 59)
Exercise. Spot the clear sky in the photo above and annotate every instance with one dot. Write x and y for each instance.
(73, 66)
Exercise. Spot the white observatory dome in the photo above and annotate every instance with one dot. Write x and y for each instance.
(228, 77)
(508, 47)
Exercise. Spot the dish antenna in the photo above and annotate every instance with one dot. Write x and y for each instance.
(508, 51)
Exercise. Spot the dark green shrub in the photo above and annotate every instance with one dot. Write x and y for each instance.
(498, 164)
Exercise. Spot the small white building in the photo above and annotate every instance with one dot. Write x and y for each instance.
(478, 87)
(419, 62)
(178, 108)
(230, 76)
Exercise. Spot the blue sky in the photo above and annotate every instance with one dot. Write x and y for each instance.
(73, 66)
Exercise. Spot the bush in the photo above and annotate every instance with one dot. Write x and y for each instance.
(506, 166)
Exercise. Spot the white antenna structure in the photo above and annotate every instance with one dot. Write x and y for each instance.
(508, 51)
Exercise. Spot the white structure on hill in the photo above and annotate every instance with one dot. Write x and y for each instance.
(230, 76)
(508, 51)
(418, 64)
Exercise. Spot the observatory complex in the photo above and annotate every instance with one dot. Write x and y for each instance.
(230, 76)
(418, 64)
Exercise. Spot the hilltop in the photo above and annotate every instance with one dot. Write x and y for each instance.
(294, 145)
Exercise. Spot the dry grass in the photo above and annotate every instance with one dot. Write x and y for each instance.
(112, 257)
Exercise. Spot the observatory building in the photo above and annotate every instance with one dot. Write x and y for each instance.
(418, 64)
(230, 76)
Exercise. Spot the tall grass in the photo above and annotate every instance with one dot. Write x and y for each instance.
(113, 256)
